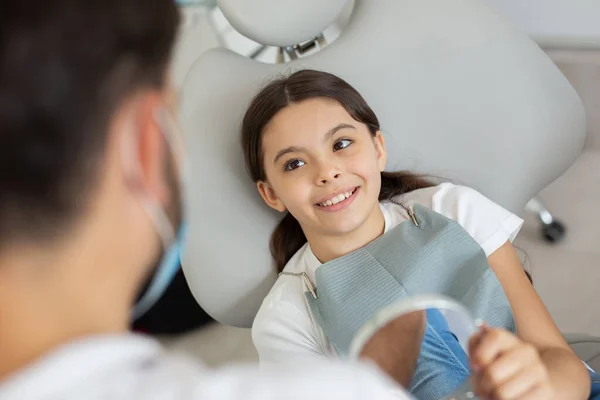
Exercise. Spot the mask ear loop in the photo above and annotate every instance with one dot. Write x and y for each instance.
(174, 137)
(153, 208)
(156, 212)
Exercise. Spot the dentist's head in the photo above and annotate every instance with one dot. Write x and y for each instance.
(90, 159)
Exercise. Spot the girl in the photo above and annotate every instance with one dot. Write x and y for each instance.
(314, 148)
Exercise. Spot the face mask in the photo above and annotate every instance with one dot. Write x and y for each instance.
(167, 269)
(172, 241)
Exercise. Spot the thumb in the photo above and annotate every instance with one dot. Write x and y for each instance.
(474, 342)
(491, 344)
(477, 337)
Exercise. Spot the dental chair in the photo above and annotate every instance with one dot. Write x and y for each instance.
(460, 94)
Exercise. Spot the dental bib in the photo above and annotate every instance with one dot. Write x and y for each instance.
(429, 254)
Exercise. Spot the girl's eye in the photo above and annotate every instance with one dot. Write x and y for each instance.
(341, 144)
(293, 164)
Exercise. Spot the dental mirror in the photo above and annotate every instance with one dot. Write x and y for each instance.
(452, 321)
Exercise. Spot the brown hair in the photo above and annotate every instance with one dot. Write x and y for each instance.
(66, 67)
(288, 238)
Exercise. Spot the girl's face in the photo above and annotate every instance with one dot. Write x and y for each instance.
(322, 166)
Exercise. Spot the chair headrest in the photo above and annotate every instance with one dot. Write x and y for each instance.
(458, 91)
(281, 22)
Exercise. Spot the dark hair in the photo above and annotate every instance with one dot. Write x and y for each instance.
(65, 68)
(288, 238)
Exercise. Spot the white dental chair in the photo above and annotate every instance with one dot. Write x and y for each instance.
(460, 93)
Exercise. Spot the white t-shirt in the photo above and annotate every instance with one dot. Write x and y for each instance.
(128, 367)
(284, 328)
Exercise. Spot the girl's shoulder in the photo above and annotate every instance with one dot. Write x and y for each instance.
(289, 286)
(438, 198)
(283, 328)
(487, 222)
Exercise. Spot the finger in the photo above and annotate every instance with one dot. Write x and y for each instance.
(501, 370)
(474, 343)
(476, 338)
(539, 393)
(493, 343)
(506, 367)
(526, 381)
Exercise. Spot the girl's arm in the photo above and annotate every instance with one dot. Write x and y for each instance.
(567, 373)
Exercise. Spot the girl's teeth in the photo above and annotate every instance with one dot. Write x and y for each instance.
(337, 199)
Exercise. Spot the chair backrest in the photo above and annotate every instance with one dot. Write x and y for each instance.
(460, 93)
(281, 22)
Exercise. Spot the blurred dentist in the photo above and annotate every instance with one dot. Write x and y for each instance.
(91, 212)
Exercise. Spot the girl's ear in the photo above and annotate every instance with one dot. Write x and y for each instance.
(381, 150)
(269, 196)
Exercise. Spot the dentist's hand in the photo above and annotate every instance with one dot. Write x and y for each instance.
(504, 367)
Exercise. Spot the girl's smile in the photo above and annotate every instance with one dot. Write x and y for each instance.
(339, 200)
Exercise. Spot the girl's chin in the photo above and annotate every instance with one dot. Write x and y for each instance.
(342, 226)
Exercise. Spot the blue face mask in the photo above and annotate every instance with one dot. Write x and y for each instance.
(166, 271)
(173, 243)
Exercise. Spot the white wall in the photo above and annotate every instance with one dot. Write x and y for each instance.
(555, 20)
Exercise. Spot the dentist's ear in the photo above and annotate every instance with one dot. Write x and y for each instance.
(144, 149)
(379, 142)
(269, 196)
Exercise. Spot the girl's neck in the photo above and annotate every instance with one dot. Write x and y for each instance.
(330, 247)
